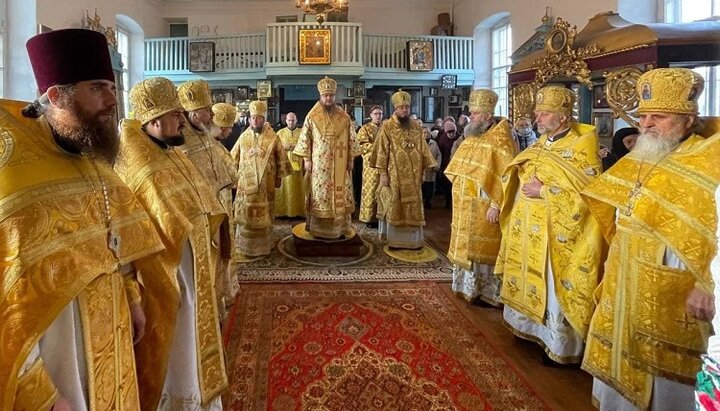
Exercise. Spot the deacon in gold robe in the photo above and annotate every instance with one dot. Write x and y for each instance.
(551, 247)
(261, 162)
(328, 146)
(475, 172)
(216, 166)
(370, 176)
(290, 199)
(656, 207)
(401, 157)
(70, 233)
(180, 361)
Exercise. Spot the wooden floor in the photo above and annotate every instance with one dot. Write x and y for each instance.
(563, 388)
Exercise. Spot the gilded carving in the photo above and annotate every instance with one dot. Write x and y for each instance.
(562, 59)
(621, 94)
(523, 100)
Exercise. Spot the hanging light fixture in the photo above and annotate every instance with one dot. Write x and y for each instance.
(321, 8)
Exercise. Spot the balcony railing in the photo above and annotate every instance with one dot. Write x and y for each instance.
(276, 49)
(390, 52)
(283, 39)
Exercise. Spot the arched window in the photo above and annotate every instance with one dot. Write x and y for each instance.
(682, 11)
(501, 50)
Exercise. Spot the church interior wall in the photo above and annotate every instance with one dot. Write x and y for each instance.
(70, 13)
(401, 17)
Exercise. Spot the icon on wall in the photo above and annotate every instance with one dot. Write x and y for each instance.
(201, 56)
(264, 89)
(314, 46)
(420, 55)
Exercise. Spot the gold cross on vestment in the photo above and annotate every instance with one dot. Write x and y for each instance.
(632, 198)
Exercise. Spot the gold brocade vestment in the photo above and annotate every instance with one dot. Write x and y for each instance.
(328, 140)
(262, 163)
(370, 176)
(557, 226)
(290, 198)
(183, 208)
(641, 328)
(477, 168)
(54, 249)
(404, 155)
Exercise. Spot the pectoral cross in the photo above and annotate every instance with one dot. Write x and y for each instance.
(632, 198)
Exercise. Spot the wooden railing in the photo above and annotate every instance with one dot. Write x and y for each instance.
(278, 47)
(345, 42)
(390, 52)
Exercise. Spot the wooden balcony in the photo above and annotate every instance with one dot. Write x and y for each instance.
(377, 59)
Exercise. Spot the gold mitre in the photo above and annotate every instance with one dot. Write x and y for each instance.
(194, 95)
(556, 99)
(669, 90)
(483, 100)
(258, 108)
(152, 98)
(400, 98)
(327, 85)
(224, 114)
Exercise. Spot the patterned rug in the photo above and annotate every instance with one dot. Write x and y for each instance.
(374, 265)
(345, 347)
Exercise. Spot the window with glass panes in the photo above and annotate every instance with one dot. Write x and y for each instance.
(683, 11)
(123, 42)
(501, 50)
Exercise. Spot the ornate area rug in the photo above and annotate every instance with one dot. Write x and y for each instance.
(364, 347)
(374, 265)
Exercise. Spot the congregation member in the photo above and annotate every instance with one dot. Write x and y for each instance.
(216, 166)
(475, 171)
(551, 247)
(180, 361)
(401, 157)
(290, 198)
(72, 232)
(328, 146)
(446, 139)
(523, 133)
(623, 141)
(370, 176)
(430, 174)
(262, 163)
(656, 207)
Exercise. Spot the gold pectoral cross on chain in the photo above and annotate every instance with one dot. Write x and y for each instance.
(632, 198)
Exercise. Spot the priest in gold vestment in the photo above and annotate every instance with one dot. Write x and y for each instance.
(216, 166)
(180, 361)
(370, 176)
(328, 146)
(551, 248)
(261, 162)
(290, 198)
(401, 157)
(71, 231)
(224, 116)
(475, 171)
(656, 207)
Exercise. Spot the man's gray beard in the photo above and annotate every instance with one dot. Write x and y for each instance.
(653, 148)
(476, 129)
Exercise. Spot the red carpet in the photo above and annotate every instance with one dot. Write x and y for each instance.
(342, 347)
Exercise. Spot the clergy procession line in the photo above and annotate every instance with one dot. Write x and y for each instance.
(120, 248)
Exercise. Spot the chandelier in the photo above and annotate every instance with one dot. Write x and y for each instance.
(321, 8)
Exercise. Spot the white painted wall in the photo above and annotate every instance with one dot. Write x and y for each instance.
(252, 16)
(69, 13)
(526, 15)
